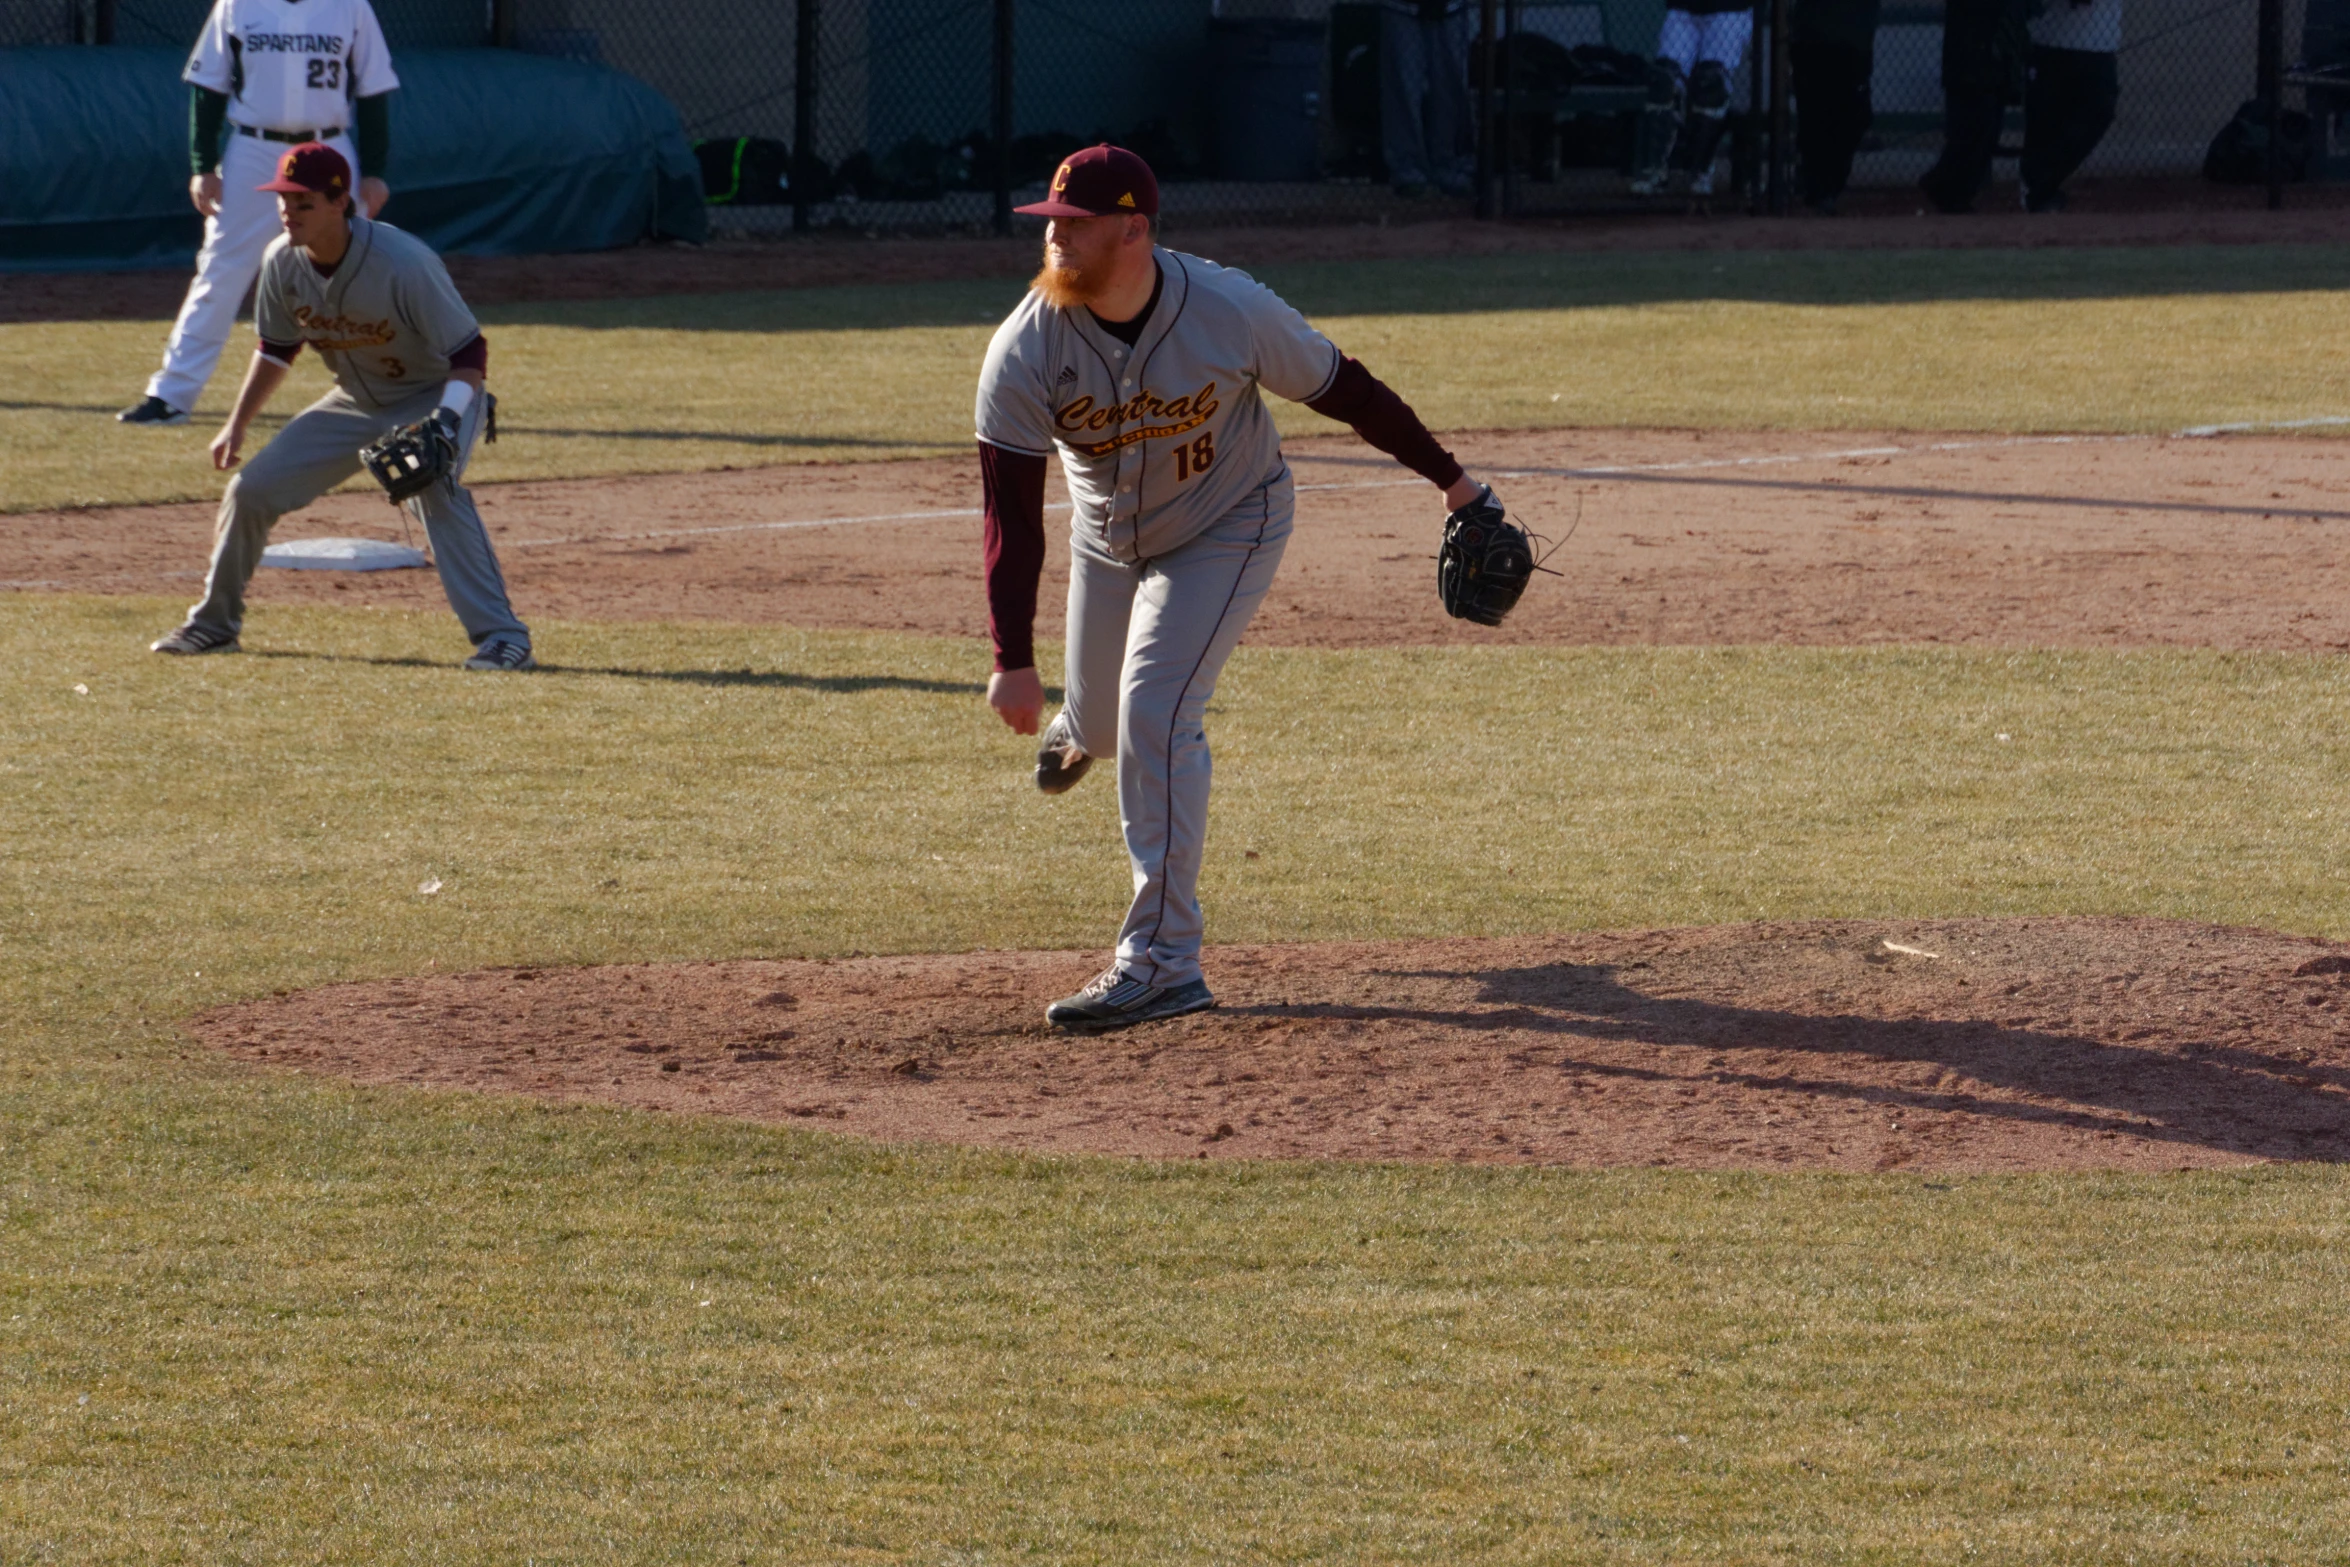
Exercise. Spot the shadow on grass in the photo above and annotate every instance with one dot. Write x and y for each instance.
(764, 679)
(261, 421)
(724, 438)
(2227, 1098)
(1534, 281)
(510, 427)
(785, 680)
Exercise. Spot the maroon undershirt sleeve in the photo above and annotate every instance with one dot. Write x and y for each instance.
(474, 356)
(283, 353)
(1013, 484)
(1359, 398)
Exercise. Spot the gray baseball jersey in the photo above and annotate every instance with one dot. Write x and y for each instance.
(1160, 441)
(385, 323)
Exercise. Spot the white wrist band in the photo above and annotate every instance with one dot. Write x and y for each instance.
(457, 396)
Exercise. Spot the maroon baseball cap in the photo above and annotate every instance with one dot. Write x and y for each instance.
(313, 166)
(1100, 182)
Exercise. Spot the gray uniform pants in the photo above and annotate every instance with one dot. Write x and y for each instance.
(318, 450)
(1146, 643)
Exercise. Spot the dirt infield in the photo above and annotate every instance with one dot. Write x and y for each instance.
(2106, 213)
(1929, 1046)
(1822, 539)
(1961, 1046)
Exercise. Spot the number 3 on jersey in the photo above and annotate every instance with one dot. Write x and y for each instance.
(1195, 457)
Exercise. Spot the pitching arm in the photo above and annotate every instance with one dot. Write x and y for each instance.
(1013, 556)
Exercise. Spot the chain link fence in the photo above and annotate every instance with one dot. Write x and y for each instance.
(911, 115)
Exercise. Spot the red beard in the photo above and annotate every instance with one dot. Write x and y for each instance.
(1064, 288)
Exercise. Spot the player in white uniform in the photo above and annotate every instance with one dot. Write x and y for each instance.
(1142, 368)
(265, 75)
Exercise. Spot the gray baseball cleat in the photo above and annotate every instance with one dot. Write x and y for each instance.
(193, 638)
(1059, 764)
(502, 653)
(1116, 999)
(151, 410)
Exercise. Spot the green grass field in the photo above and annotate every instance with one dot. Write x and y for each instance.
(2149, 340)
(264, 1318)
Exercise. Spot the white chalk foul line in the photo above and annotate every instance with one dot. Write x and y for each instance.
(1779, 459)
(1611, 470)
(2203, 431)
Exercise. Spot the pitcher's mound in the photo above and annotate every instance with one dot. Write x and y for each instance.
(1938, 1045)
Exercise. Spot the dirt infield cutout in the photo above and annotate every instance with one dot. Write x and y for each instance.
(1949, 1046)
(1835, 539)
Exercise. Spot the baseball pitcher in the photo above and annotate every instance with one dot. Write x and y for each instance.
(265, 75)
(1145, 369)
(408, 361)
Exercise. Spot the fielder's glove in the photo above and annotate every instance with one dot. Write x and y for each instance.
(1484, 563)
(414, 458)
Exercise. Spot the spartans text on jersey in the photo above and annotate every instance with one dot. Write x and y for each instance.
(292, 43)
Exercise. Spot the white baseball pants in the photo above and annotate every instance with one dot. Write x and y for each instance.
(234, 239)
(1720, 36)
(1146, 643)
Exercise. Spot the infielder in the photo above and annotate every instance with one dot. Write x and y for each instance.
(408, 361)
(265, 75)
(1144, 369)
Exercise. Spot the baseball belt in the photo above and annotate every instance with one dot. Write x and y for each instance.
(290, 138)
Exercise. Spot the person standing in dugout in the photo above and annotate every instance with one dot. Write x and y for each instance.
(379, 307)
(265, 75)
(1698, 48)
(2072, 88)
(1984, 46)
(1832, 46)
(1144, 369)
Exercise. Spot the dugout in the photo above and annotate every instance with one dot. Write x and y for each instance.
(494, 152)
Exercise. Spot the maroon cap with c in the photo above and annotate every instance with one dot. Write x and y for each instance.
(313, 166)
(1100, 182)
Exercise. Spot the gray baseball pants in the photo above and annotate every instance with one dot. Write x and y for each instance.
(1146, 643)
(317, 450)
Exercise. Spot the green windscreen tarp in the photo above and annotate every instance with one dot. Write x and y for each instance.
(493, 153)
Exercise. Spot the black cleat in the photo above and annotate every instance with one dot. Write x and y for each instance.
(1116, 999)
(152, 410)
(192, 638)
(1059, 764)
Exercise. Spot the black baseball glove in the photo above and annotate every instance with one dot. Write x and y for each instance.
(415, 457)
(1484, 563)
